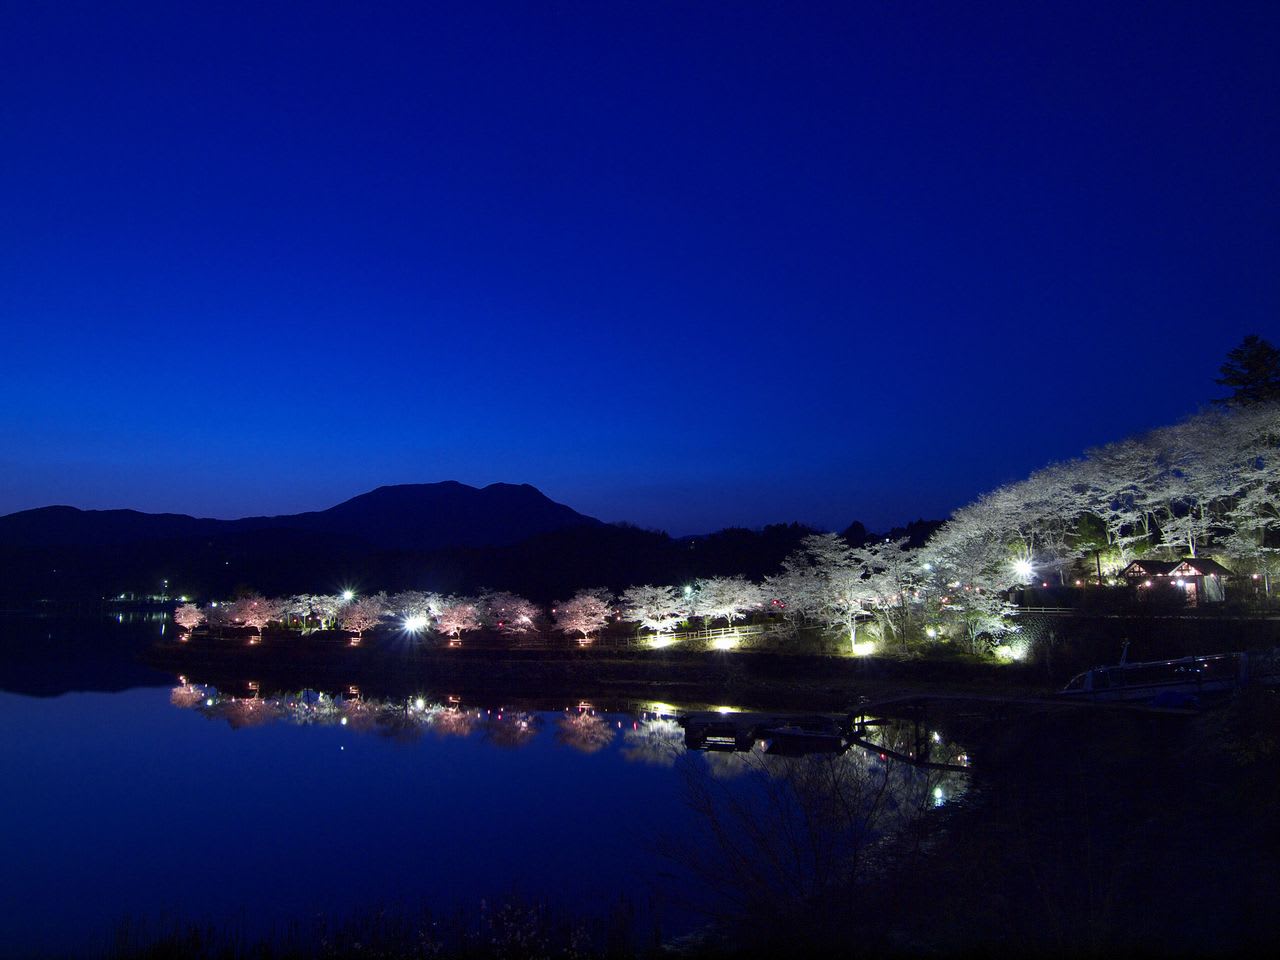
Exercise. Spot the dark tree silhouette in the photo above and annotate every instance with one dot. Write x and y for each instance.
(1252, 371)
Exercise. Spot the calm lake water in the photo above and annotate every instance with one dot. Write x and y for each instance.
(169, 801)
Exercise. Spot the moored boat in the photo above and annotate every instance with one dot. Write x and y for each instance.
(1191, 676)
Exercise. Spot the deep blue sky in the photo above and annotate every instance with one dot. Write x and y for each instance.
(682, 264)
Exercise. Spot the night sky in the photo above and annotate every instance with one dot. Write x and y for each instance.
(685, 264)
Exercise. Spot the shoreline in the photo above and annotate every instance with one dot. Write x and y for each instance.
(761, 680)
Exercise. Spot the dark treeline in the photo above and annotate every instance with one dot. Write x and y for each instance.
(280, 562)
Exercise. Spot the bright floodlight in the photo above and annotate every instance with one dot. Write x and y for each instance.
(414, 624)
(348, 595)
(1023, 569)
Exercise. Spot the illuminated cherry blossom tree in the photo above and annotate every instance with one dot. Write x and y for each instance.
(296, 608)
(586, 613)
(415, 603)
(725, 598)
(823, 582)
(363, 613)
(188, 617)
(217, 615)
(459, 615)
(508, 613)
(658, 609)
(890, 574)
(324, 608)
(256, 611)
(416, 610)
(987, 618)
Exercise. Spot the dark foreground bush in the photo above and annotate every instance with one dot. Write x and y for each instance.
(512, 929)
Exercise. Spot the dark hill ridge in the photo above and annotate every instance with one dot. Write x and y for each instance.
(62, 526)
(429, 516)
(419, 516)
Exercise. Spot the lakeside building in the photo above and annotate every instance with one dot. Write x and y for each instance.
(1201, 579)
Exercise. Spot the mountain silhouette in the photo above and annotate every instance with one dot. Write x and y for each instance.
(414, 517)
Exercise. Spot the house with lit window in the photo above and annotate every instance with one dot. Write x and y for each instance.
(1199, 578)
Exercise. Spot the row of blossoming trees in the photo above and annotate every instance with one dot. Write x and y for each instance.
(827, 585)
(657, 610)
(1209, 484)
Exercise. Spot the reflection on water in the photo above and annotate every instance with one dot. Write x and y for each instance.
(788, 807)
(511, 729)
(401, 719)
(785, 808)
(584, 730)
(730, 741)
(655, 740)
(161, 617)
(418, 786)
